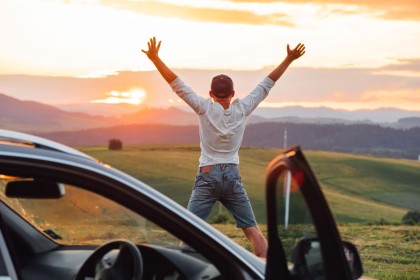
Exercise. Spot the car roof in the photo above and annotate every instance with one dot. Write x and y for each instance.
(14, 138)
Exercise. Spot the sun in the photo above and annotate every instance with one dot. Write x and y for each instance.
(134, 97)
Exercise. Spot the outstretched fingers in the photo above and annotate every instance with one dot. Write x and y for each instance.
(153, 48)
(300, 48)
(158, 46)
(297, 52)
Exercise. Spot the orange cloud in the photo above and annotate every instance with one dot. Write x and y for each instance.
(200, 14)
(412, 65)
(392, 96)
(387, 9)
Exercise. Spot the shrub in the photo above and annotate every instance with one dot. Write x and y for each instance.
(115, 144)
(411, 218)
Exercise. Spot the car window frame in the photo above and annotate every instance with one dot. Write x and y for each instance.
(102, 179)
(6, 260)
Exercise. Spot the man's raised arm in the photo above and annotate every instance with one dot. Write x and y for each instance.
(293, 54)
(153, 54)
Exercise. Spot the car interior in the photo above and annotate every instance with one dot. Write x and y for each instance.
(54, 234)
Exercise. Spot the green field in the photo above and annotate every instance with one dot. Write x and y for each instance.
(368, 196)
(358, 188)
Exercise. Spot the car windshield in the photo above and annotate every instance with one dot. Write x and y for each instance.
(81, 217)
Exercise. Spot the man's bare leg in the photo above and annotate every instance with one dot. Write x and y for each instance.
(257, 240)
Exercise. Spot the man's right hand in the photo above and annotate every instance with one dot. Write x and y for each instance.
(153, 54)
(153, 51)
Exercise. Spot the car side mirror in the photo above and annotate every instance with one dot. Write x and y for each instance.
(353, 259)
(36, 189)
(308, 263)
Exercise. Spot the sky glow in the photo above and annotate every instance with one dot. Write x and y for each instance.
(97, 38)
(133, 97)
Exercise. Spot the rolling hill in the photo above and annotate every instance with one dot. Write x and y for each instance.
(359, 188)
(30, 116)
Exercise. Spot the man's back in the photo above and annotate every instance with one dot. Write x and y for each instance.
(221, 130)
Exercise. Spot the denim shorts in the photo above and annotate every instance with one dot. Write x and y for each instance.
(222, 183)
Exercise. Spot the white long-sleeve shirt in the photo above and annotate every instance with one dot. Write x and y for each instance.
(221, 131)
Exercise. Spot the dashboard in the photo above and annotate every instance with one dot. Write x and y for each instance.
(158, 264)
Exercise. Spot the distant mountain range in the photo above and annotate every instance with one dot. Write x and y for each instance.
(173, 125)
(35, 117)
(383, 116)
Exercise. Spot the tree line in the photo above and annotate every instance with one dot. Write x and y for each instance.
(354, 138)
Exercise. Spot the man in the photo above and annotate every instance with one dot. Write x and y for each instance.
(221, 128)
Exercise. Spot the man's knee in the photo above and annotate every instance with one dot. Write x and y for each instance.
(257, 240)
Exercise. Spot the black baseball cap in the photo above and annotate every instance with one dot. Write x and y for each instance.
(222, 85)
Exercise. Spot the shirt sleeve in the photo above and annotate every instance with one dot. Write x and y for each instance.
(250, 102)
(184, 92)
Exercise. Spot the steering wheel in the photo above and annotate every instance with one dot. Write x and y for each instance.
(127, 265)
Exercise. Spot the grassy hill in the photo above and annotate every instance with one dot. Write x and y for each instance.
(358, 188)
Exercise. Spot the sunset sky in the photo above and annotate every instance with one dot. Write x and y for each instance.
(361, 54)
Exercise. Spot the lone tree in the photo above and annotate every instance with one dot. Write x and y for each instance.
(115, 144)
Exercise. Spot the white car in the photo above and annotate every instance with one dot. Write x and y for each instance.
(64, 215)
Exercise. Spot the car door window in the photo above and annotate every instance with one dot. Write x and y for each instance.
(81, 217)
(296, 227)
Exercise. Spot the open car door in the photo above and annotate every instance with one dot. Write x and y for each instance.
(304, 242)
